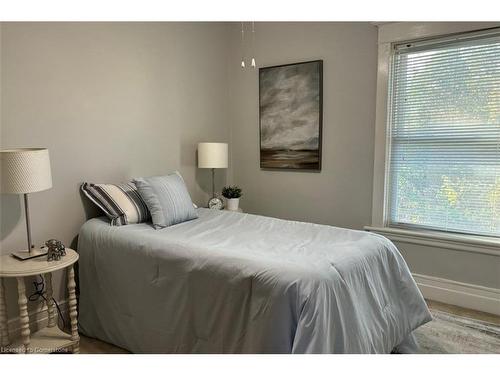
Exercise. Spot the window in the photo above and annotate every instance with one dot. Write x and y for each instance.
(444, 118)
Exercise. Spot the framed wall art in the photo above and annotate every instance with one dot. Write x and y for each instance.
(291, 115)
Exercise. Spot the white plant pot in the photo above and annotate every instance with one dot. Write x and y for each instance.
(232, 204)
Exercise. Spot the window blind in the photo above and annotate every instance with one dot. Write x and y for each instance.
(444, 114)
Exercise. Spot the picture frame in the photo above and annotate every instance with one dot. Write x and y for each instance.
(291, 116)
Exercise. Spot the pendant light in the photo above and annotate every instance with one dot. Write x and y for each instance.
(253, 46)
(253, 62)
(242, 47)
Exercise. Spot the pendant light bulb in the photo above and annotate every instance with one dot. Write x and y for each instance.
(242, 46)
(253, 46)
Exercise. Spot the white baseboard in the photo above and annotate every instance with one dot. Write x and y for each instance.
(38, 319)
(456, 293)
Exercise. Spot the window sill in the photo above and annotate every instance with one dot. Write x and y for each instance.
(459, 242)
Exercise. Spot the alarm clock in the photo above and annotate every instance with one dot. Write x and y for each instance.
(215, 204)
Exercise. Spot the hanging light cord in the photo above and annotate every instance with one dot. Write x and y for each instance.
(253, 45)
(39, 292)
(242, 46)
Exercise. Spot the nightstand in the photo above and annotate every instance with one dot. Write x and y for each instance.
(50, 338)
(238, 210)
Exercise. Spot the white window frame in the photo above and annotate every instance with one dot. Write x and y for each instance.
(390, 34)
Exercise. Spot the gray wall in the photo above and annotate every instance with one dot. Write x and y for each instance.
(111, 101)
(115, 101)
(341, 193)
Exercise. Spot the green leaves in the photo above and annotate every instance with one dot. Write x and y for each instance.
(230, 192)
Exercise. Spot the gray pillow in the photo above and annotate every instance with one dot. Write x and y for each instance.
(167, 199)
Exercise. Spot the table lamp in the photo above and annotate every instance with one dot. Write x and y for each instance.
(212, 155)
(23, 171)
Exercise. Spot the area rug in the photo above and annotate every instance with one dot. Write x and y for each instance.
(448, 333)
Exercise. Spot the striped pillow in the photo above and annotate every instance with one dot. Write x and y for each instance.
(167, 199)
(121, 203)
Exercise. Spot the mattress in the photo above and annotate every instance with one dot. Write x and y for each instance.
(230, 282)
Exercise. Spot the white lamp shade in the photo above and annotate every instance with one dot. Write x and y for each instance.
(212, 155)
(25, 170)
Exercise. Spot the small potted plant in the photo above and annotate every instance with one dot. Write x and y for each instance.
(232, 195)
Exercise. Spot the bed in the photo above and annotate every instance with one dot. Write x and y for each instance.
(230, 282)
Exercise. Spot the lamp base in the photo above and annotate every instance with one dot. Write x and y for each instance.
(25, 254)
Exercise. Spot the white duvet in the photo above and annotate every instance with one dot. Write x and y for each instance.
(237, 283)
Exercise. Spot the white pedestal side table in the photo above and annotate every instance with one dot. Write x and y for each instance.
(50, 338)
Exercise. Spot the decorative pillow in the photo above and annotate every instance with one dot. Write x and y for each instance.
(122, 203)
(167, 199)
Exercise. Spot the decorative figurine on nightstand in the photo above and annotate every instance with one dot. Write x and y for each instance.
(56, 249)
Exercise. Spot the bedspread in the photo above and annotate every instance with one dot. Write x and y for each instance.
(229, 282)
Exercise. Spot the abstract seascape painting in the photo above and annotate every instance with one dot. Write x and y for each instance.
(290, 108)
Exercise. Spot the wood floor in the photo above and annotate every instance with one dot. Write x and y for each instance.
(93, 346)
